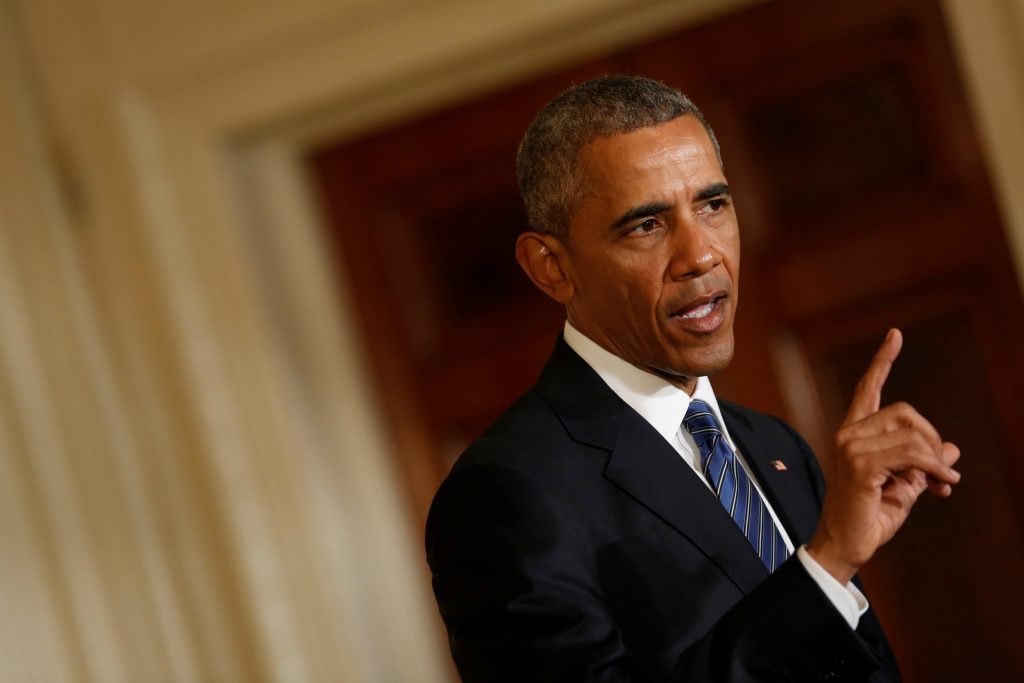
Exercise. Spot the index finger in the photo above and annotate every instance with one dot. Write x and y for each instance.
(867, 396)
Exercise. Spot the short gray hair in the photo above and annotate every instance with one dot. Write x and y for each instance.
(549, 162)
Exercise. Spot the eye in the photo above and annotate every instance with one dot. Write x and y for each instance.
(715, 205)
(646, 227)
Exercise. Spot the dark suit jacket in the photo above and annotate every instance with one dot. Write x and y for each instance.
(572, 543)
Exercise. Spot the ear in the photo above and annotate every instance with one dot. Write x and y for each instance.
(545, 260)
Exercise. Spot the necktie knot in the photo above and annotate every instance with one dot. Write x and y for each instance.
(699, 416)
(707, 433)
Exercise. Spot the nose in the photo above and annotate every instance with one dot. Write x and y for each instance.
(693, 250)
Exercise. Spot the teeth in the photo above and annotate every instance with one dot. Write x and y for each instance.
(700, 312)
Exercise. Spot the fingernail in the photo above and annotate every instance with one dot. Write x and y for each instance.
(892, 331)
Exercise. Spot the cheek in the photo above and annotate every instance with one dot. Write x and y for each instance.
(625, 290)
(643, 289)
(733, 250)
(729, 248)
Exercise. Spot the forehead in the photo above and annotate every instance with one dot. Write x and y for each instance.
(678, 152)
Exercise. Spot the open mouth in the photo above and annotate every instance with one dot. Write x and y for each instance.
(702, 315)
(700, 311)
(700, 308)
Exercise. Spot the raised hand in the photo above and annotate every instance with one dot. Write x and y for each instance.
(884, 459)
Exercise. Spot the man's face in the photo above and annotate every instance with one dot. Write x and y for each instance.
(653, 251)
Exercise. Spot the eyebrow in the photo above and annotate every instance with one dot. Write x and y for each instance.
(654, 208)
(712, 191)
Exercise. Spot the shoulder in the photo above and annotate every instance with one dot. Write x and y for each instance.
(526, 469)
(513, 493)
(517, 452)
(526, 437)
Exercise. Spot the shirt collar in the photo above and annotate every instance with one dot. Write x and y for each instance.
(659, 402)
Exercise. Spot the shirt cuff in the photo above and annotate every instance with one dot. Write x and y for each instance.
(850, 602)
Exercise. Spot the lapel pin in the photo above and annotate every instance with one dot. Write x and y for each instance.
(779, 465)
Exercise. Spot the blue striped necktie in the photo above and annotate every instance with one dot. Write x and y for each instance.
(733, 486)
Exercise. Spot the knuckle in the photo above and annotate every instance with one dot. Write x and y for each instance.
(843, 438)
(861, 467)
(926, 442)
(908, 412)
(919, 439)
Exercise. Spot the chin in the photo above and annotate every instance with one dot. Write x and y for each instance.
(713, 360)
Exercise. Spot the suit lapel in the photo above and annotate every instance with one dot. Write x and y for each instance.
(788, 490)
(645, 466)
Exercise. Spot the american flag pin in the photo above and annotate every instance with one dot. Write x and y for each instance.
(779, 465)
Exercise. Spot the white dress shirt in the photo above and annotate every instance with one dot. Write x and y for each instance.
(663, 405)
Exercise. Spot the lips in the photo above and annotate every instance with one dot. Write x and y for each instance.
(702, 315)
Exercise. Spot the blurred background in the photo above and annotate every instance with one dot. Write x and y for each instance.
(257, 292)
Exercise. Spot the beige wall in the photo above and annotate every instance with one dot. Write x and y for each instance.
(989, 39)
(195, 484)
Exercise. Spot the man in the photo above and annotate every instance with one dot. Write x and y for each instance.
(619, 523)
